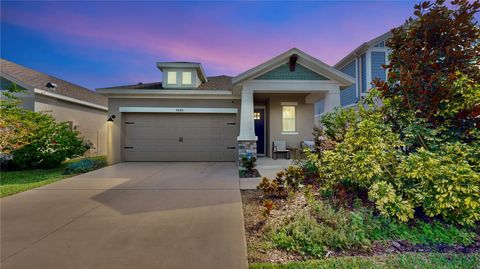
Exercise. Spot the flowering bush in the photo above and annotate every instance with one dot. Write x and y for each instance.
(33, 139)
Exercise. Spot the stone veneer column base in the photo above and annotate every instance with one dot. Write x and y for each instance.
(246, 148)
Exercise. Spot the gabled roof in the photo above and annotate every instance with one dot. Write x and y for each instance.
(361, 49)
(197, 66)
(33, 79)
(213, 83)
(304, 59)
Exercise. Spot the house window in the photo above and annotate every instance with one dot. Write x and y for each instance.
(288, 119)
(171, 77)
(186, 78)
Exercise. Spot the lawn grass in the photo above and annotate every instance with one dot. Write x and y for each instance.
(12, 182)
(420, 260)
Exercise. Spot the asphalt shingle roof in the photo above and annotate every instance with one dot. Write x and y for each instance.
(40, 80)
(213, 83)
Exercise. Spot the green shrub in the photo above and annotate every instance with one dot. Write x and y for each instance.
(83, 166)
(336, 123)
(50, 146)
(249, 162)
(368, 153)
(34, 140)
(441, 181)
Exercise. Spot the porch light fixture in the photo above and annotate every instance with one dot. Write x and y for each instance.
(111, 118)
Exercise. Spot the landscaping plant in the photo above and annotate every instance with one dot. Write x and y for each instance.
(33, 139)
(400, 176)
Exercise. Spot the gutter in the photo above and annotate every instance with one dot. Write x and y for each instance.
(69, 99)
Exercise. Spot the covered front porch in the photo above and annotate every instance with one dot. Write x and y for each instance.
(278, 97)
(282, 117)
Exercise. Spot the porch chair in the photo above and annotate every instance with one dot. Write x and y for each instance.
(310, 144)
(280, 147)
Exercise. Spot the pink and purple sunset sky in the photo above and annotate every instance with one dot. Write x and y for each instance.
(101, 44)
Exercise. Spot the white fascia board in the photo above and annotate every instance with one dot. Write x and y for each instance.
(51, 94)
(207, 110)
(185, 92)
(292, 86)
(69, 99)
(179, 97)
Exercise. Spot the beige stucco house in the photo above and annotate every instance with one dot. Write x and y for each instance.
(191, 117)
(83, 109)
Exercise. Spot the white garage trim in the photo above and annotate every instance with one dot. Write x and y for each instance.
(178, 110)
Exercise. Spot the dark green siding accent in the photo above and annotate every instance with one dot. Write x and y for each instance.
(283, 73)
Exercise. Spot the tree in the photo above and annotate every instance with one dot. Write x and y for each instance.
(430, 53)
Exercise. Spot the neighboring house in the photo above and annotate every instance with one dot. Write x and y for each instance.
(84, 110)
(364, 64)
(192, 117)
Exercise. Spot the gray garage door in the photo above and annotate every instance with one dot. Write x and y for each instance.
(180, 137)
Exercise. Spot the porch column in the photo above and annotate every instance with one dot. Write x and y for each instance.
(332, 100)
(247, 141)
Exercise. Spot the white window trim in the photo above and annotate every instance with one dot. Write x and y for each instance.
(289, 133)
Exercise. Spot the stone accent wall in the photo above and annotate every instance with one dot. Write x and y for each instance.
(246, 148)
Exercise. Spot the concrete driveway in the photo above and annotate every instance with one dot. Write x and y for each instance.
(129, 215)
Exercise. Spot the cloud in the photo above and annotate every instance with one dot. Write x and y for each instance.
(228, 46)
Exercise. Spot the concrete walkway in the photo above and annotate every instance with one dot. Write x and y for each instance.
(129, 215)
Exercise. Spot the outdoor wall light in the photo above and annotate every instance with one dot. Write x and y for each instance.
(111, 118)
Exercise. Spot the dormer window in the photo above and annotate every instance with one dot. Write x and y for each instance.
(186, 78)
(181, 75)
(171, 78)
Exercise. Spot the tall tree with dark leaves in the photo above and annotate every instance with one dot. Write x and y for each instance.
(430, 54)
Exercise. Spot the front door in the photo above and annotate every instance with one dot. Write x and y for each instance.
(259, 117)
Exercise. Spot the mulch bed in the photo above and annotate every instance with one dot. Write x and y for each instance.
(249, 174)
(255, 220)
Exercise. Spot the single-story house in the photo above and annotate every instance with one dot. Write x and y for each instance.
(189, 116)
(83, 109)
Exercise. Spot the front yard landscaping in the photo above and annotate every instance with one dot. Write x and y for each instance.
(303, 227)
(395, 182)
(18, 181)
